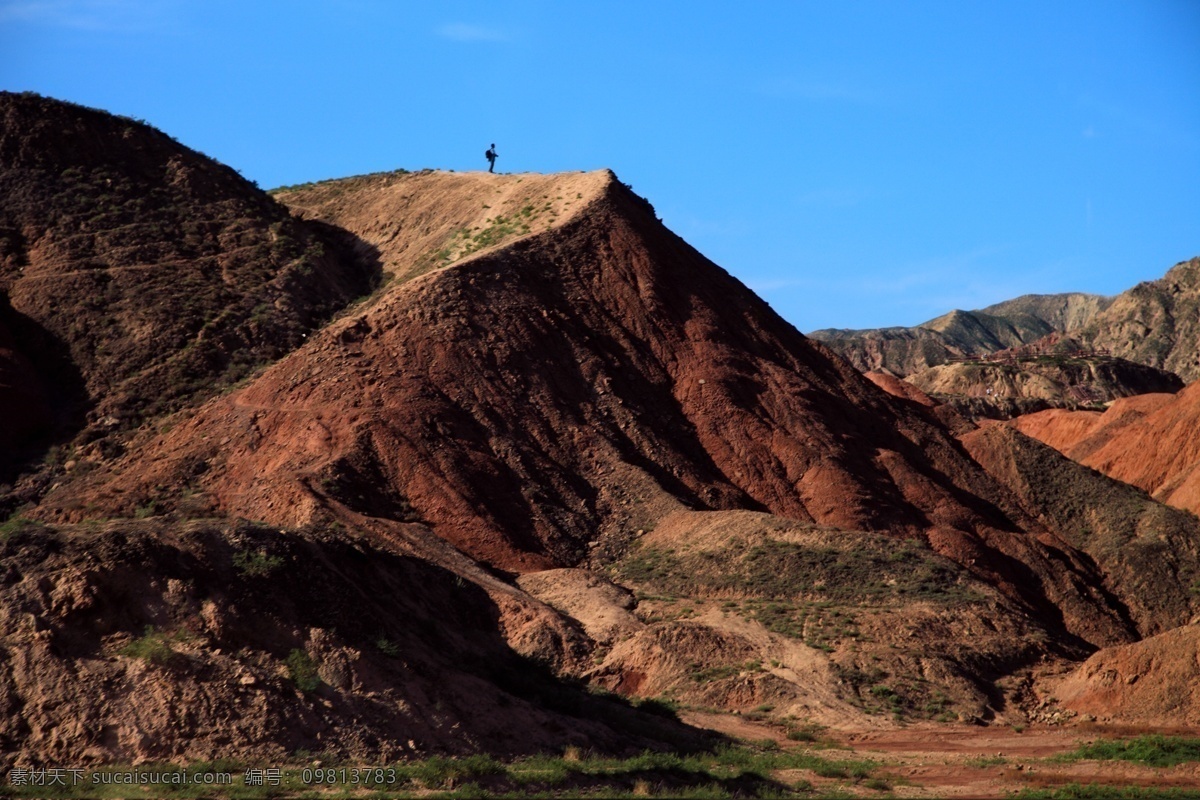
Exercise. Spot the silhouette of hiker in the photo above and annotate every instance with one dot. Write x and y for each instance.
(491, 157)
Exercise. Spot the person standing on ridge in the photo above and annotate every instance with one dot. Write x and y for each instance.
(491, 157)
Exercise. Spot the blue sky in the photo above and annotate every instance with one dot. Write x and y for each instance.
(856, 163)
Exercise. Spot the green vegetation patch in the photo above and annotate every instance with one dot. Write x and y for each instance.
(1154, 750)
(303, 671)
(727, 772)
(256, 563)
(18, 524)
(818, 624)
(737, 771)
(340, 185)
(877, 692)
(153, 646)
(1092, 791)
(874, 569)
(499, 229)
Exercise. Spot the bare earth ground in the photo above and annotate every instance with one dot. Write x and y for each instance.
(937, 760)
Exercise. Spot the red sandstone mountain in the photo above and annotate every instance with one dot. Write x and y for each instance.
(552, 398)
(543, 401)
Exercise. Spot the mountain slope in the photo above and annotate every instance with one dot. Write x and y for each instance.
(1155, 323)
(552, 401)
(139, 275)
(1148, 552)
(899, 351)
(1010, 387)
(135, 640)
(1065, 312)
(1152, 442)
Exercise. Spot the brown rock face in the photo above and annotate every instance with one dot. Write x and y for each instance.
(151, 640)
(899, 388)
(1155, 323)
(1029, 382)
(140, 275)
(1154, 682)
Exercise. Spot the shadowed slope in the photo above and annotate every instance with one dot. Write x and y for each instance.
(141, 275)
(1148, 553)
(155, 639)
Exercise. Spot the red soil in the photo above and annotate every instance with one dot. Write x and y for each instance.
(1151, 441)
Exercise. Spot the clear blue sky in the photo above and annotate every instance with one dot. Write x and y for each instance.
(856, 163)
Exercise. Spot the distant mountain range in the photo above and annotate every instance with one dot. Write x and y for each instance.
(1156, 323)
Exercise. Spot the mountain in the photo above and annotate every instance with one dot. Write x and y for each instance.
(906, 351)
(897, 351)
(1053, 372)
(553, 473)
(139, 276)
(1065, 312)
(569, 376)
(1155, 323)
(538, 403)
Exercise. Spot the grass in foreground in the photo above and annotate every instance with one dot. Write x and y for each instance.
(726, 773)
(1154, 750)
(1091, 791)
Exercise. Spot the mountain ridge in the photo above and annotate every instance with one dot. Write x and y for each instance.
(1155, 323)
(139, 275)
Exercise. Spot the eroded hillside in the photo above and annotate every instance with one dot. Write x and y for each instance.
(1010, 383)
(1152, 442)
(537, 405)
(555, 448)
(959, 334)
(139, 276)
(1155, 323)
